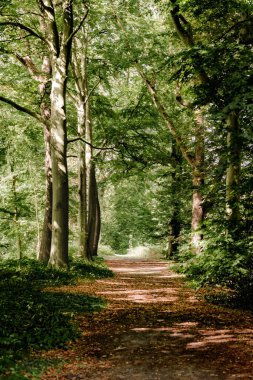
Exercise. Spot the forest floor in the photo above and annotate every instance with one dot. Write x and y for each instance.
(154, 327)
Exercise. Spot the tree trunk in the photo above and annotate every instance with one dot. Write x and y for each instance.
(98, 220)
(16, 213)
(198, 182)
(46, 236)
(233, 173)
(82, 185)
(59, 245)
(175, 223)
(94, 214)
(58, 34)
(174, 233)
(90, 172)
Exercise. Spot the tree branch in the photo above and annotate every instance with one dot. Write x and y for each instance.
(31, 68)
(158, 104)
(16, 39)
(7, 211)
(23, 27)
(78, 27)
(24, 110)
(237, 24)
(91, 145)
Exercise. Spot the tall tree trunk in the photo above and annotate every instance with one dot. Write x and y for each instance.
(90, 170)
(82, 184)
(16, 213)
(46, 235)
(59, 36)
(175, 222)
(198, 182)
(94, 221)
(233, 173)
(79, 68)
(59, 245)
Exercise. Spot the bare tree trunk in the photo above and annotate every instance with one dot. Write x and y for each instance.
(94, 221)
(174, 234)
(233, 172)
(79, 68)
(46, 235)
(198, 182)
(59, 245)
(90, 170)
(59, 35)
(16, 213)
(175, 223)
(82, 185)
(184, 31)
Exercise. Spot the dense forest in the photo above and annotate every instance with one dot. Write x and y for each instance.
(125, 124)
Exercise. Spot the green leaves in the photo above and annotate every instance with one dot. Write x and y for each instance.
(34, 319)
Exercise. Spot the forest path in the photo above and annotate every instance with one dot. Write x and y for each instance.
(154, 327)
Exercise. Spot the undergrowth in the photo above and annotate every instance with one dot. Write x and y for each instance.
(220, 268)
(34, 319)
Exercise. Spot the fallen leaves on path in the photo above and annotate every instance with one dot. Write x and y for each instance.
(154, 327)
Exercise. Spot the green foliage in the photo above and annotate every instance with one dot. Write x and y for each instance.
(32, 318)
(223, 261)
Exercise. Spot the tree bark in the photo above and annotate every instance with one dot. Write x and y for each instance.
(175, 223)
(16, 213)
(59, 245)
(59, 35)
(198, 183)
(233, 172)
(46, 235)
(82, 185)
(94, 221)
(184, 31)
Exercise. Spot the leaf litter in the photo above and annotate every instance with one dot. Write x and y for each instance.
(154, 327)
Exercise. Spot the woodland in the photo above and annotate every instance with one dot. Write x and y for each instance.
(123, 124)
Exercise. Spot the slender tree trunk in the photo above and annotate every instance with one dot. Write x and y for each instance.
(79, 68)
(233, 172)
(198, 182)
(94, 222)
(90, 170)
(175, 222)
(45, 90)
(82, 184)
(16, 214)
(184, 31)
(46, 235)
(174, 234)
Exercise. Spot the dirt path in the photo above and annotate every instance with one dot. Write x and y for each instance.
(155, 328)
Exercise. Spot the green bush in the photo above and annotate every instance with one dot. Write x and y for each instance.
(221, 263)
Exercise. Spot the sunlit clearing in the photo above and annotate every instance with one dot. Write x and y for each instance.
(142, 252)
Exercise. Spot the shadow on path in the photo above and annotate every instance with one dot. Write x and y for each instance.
(155, 328)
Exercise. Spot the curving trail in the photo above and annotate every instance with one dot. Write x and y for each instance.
(155, 328)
